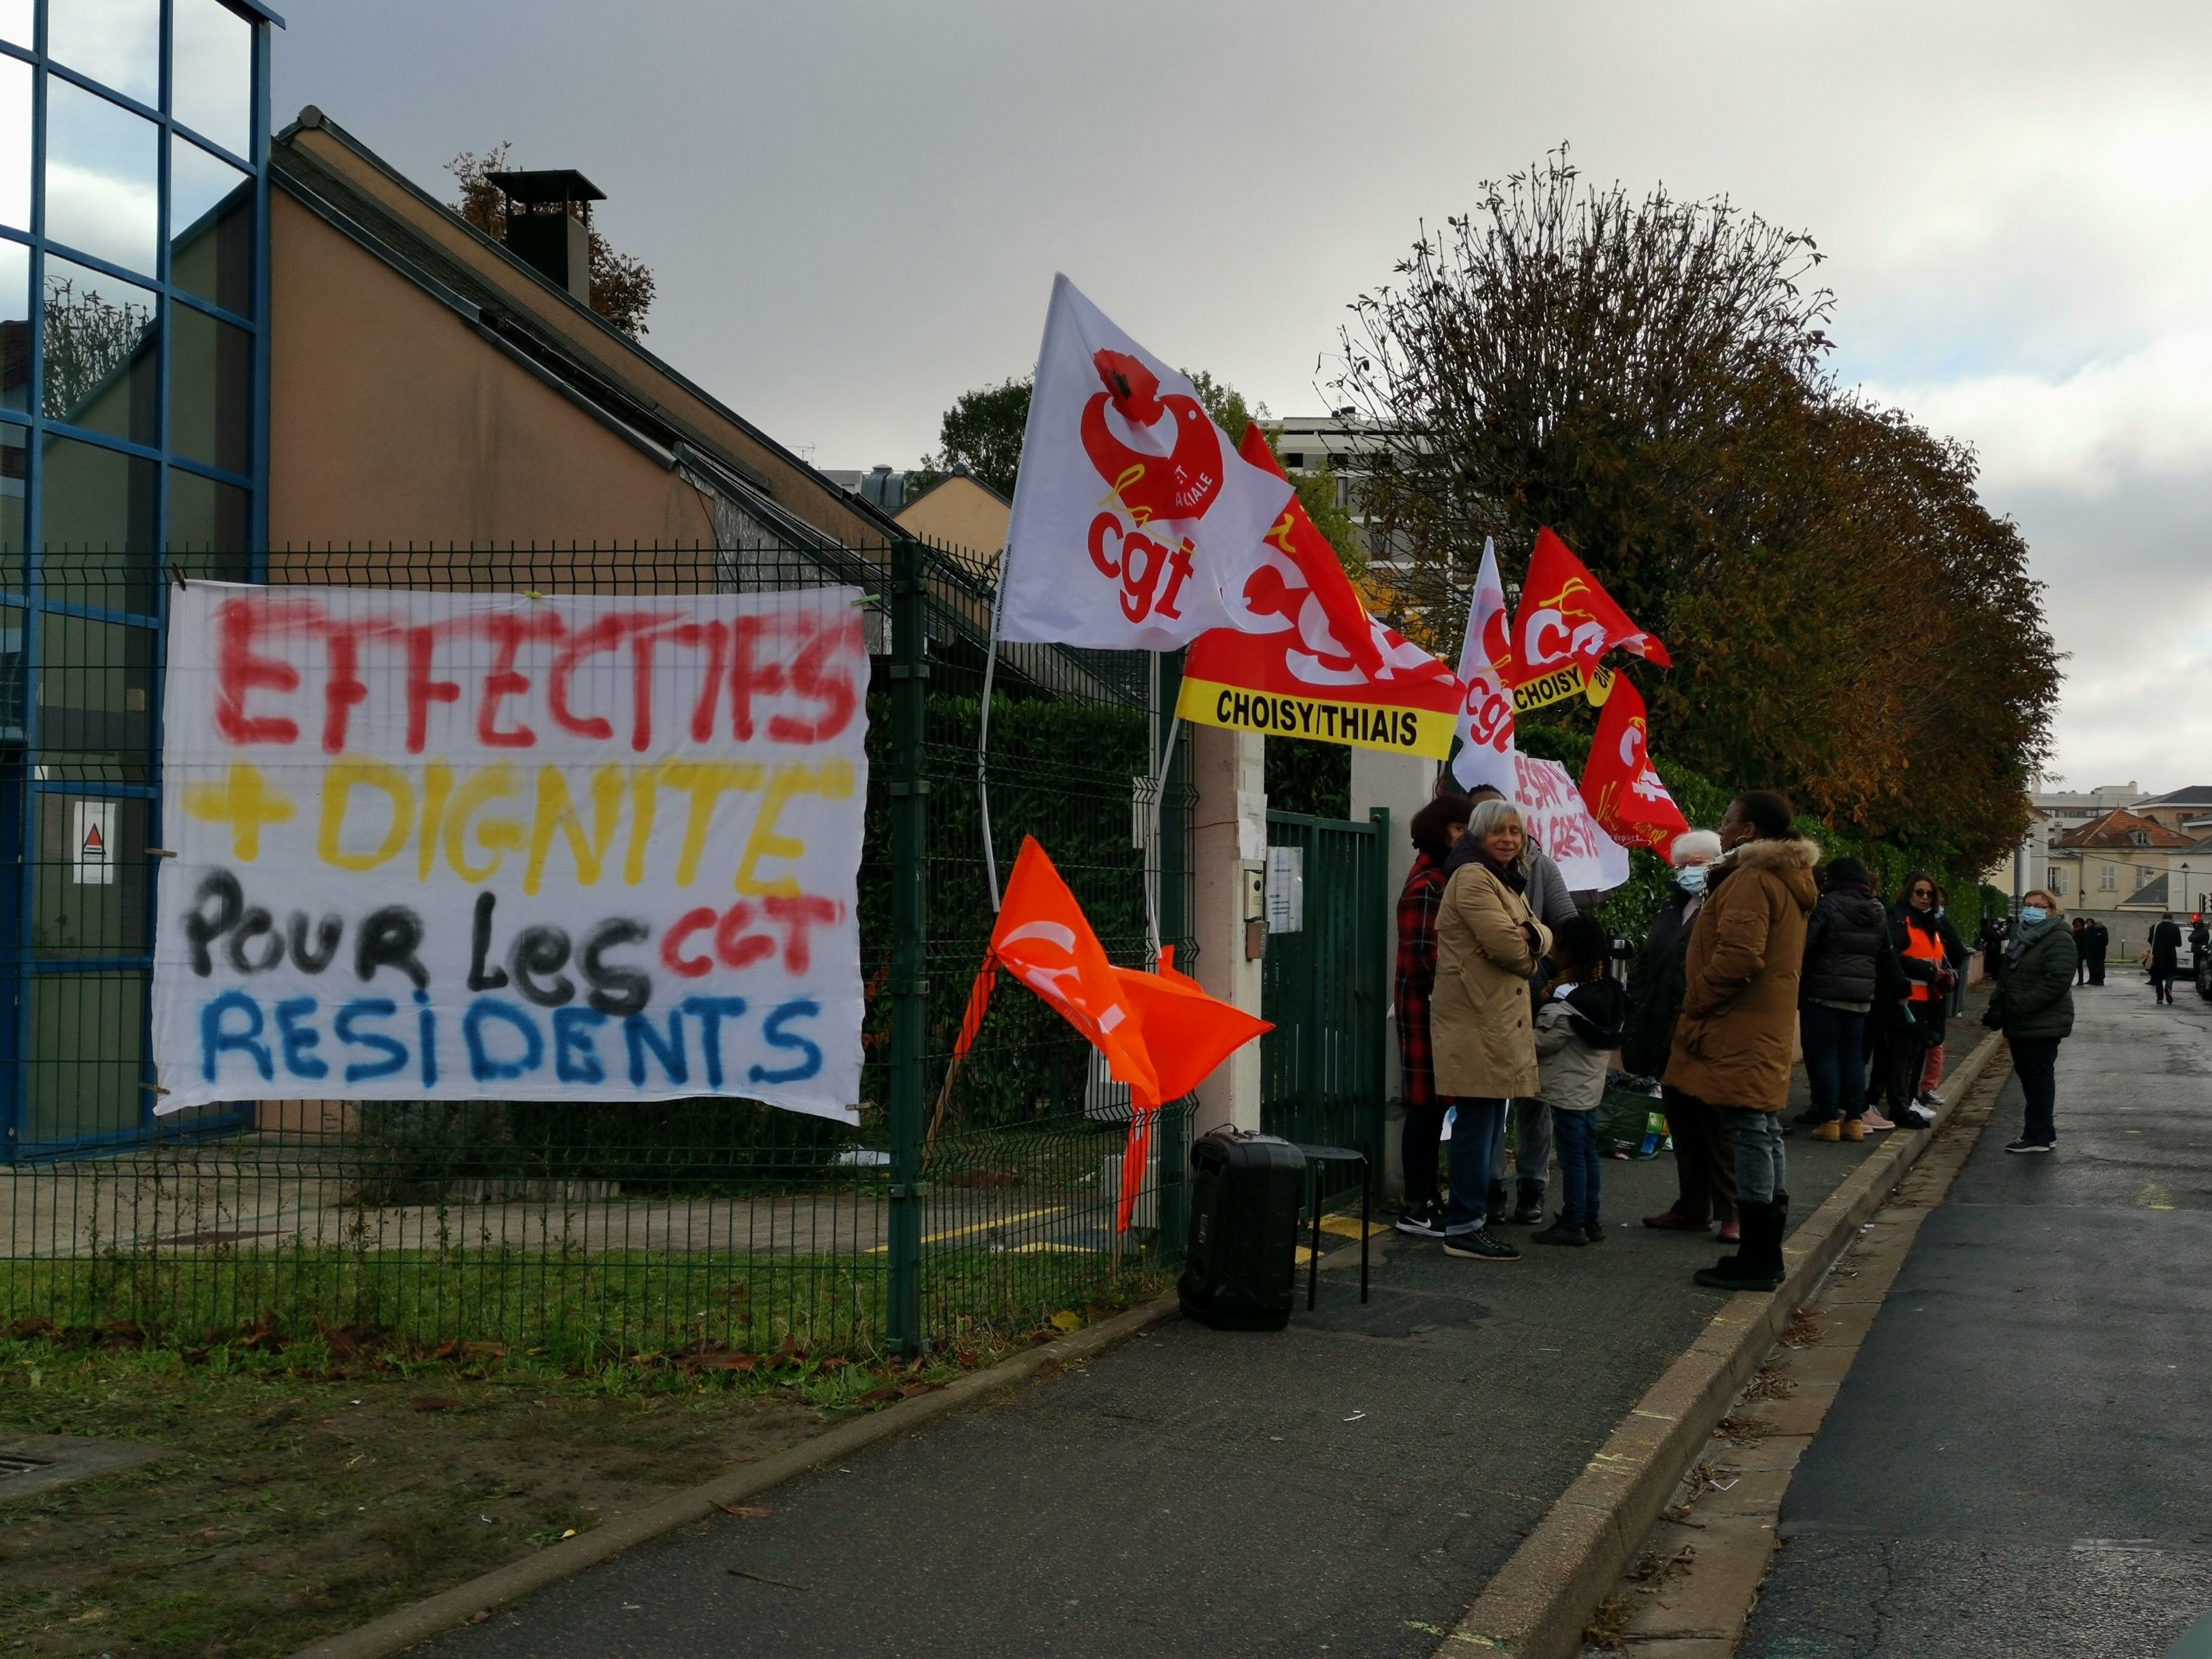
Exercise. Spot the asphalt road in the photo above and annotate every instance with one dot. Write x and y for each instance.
(1344, 1487)
(2017, 1463)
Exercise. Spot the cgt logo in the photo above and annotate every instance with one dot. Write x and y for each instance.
(1161, 458)
(1555, 630)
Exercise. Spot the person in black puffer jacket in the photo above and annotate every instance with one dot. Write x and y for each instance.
(1845, 942)
(1705, 1168)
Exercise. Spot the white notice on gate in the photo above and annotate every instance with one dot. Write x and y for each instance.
(452, 847)
(91, 830)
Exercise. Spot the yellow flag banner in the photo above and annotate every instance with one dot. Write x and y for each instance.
(1563, 685)
(1358, 724)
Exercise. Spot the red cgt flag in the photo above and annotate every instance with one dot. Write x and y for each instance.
(1620, 782)
(1568, 621)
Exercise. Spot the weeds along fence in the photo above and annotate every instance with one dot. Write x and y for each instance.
(586, 1232)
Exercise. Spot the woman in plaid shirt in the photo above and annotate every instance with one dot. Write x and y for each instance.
(1435, 828)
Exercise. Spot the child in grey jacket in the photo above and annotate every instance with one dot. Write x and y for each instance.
(1577, 1028)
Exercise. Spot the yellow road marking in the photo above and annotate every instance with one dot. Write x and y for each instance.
(2155, 1197)
(991, 1225)
(1345, 1226)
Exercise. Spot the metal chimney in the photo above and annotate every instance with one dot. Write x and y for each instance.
(548, 224)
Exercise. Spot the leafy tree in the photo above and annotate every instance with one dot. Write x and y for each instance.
(1851, 624)
(980, 435)
(622, 287)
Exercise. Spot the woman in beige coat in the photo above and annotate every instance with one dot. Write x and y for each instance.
(1488, 943)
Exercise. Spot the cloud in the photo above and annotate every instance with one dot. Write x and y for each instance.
(2092, 433)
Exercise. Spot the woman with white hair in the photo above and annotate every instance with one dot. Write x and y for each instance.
(1704, 1169)
(1479, 1016)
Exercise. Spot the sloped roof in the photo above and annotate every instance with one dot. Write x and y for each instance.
(2197, 795)
(2151, 896)
(2119, 827)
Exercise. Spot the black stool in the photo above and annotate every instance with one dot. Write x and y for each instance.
(1317, 1158)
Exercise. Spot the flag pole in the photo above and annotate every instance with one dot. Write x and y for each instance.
(983, 729)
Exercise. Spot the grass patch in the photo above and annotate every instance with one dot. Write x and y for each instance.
(312, 1483)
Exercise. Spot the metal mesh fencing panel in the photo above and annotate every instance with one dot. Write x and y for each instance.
(583, 1231)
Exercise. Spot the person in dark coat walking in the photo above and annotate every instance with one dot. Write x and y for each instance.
(2081, 950)
(1704, 1171)
(2100, 941)
(2034, 1008)
(2164, 956)
(1435, 828)
(1846, 939)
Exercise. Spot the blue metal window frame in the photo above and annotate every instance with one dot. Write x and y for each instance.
(31, 597)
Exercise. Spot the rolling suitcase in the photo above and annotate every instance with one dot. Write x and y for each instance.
(1241, 1268)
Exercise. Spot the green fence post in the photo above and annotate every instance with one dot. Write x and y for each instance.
(1383, 919)
(909, 804)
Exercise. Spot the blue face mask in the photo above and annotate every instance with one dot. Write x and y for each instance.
(1691, 878)
(2031, 914)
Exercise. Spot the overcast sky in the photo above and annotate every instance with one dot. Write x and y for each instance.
(854, 212)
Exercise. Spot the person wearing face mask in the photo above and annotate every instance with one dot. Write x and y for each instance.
(1733, 1042)
(2034, 1008)
(1705, 1173)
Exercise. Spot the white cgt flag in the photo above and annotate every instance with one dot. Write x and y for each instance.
(1486, 753)
(1136, 524)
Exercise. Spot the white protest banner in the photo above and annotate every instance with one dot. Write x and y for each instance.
(481, 846)
(1136, 524)
(1559, 820)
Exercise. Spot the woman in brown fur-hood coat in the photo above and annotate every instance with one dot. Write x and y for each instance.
(1740, 1011)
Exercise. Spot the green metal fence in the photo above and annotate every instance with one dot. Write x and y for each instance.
(1325, 982)
(588, 1231)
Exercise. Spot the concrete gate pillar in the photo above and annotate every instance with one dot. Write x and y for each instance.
(1404, 784)
(1228, 843)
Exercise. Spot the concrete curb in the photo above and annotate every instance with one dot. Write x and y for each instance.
(452, 1608)
(1537, 1605)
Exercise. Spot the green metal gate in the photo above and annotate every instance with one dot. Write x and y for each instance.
(1326, 981)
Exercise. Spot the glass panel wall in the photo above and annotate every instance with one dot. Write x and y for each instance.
(128, 348)
(14, 143)
(210, 227)
(102, 366)
(103, 178)
(211, 88)
(116, 43)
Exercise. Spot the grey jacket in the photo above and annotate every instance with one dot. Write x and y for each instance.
(1573, 1071)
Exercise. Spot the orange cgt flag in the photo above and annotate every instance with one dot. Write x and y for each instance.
(1161, 1033)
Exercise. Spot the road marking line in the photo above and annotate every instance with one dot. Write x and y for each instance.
(978, 1227)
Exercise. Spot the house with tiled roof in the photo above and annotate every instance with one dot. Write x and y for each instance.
(2128, 869)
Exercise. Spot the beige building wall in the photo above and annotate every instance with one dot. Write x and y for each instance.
(960, 512)
(390, 421)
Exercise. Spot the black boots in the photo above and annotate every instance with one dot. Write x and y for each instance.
(1757, 1264)
(1531, 1210)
